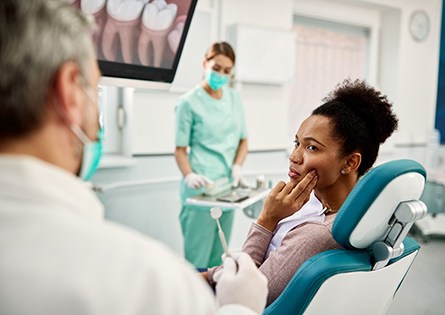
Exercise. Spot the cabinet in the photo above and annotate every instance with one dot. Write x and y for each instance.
(434, 197)
(264, 56)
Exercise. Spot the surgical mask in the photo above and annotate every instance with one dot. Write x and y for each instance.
(216, 80)
(92, 150)
(92, 153)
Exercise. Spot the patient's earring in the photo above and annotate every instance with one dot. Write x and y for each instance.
(343, 172)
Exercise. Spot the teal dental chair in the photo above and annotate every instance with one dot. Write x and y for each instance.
(372, 225)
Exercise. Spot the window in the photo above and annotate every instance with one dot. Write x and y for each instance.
(326, 54)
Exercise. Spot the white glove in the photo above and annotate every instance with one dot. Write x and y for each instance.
(245, 285)
(238, 179)
(195, 181)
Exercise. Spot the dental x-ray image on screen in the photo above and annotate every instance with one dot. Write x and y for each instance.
(139, 39)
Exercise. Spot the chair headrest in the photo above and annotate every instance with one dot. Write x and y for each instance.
(364, 217)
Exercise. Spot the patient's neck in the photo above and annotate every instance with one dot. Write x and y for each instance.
(333, 199)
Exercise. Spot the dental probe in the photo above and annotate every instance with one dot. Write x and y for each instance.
(216, 213)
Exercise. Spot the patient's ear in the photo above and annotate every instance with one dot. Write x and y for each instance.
(353, 162)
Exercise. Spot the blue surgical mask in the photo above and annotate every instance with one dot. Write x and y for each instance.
(92, 150)
(216, 80)
(91, 155)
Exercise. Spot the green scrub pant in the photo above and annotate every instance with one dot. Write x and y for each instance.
(202, 246)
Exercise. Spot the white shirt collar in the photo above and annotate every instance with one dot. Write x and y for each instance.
(28, 179)
(312, 211)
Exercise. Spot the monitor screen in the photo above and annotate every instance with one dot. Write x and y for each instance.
(139, 40)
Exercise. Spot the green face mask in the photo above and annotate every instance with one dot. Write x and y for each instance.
(91, 155)
(92, 150)
(216, 80)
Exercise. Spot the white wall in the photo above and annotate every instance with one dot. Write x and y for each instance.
(406, 71)
(266, 106)
(416, 74)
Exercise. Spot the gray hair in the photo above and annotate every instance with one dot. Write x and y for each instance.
(36, 38)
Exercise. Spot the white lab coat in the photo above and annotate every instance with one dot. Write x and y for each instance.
(58, 255)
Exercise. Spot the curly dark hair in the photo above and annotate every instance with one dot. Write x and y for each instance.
(361, 118)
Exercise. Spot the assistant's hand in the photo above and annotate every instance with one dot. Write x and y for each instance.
(286, 199)
(246, 286)
(195, 181)
(237, 176)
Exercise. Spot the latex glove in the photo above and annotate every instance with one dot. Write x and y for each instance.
(195, 181)
(238, 179)
(240, 282)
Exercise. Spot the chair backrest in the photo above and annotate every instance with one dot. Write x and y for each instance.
(371, 225)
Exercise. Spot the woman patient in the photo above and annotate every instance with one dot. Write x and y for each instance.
(334, 147)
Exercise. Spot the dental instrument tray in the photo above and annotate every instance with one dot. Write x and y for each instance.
(219, 187)
(235, 195)
(222, 190)
(231, 198)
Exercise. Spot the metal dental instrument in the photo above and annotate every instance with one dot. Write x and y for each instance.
(216, 213)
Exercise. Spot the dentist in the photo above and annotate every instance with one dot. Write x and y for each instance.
(209, 121)
(58, 255)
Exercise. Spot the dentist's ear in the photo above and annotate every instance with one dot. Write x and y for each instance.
(67, 98)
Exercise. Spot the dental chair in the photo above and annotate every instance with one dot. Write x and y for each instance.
(371, 226)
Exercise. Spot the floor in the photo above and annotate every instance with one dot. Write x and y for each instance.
(423, 291)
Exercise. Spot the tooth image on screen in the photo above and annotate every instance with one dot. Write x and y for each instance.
(183, 6)
(157, 22)
(175, 35)
(121, 29)
(75, 3)
(96, 8)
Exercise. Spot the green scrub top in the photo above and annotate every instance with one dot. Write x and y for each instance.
(212, 129)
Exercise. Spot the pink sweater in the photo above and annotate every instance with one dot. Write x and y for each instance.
(300, 244)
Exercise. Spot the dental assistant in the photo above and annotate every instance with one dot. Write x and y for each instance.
(58, 254)
(209, 121)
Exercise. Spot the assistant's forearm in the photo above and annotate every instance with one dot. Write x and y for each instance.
(241, 152)
(183, 161)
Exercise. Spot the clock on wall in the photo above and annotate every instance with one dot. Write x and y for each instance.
(419, 25)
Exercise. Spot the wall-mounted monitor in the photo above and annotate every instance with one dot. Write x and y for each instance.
(139, 42)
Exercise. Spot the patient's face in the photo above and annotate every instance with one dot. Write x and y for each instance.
(315, 148)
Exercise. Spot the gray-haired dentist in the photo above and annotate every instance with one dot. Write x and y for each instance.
(58, 255)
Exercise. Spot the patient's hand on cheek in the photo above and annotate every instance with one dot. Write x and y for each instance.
(286, 199)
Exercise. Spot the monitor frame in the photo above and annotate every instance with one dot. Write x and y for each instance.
(141, 76)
